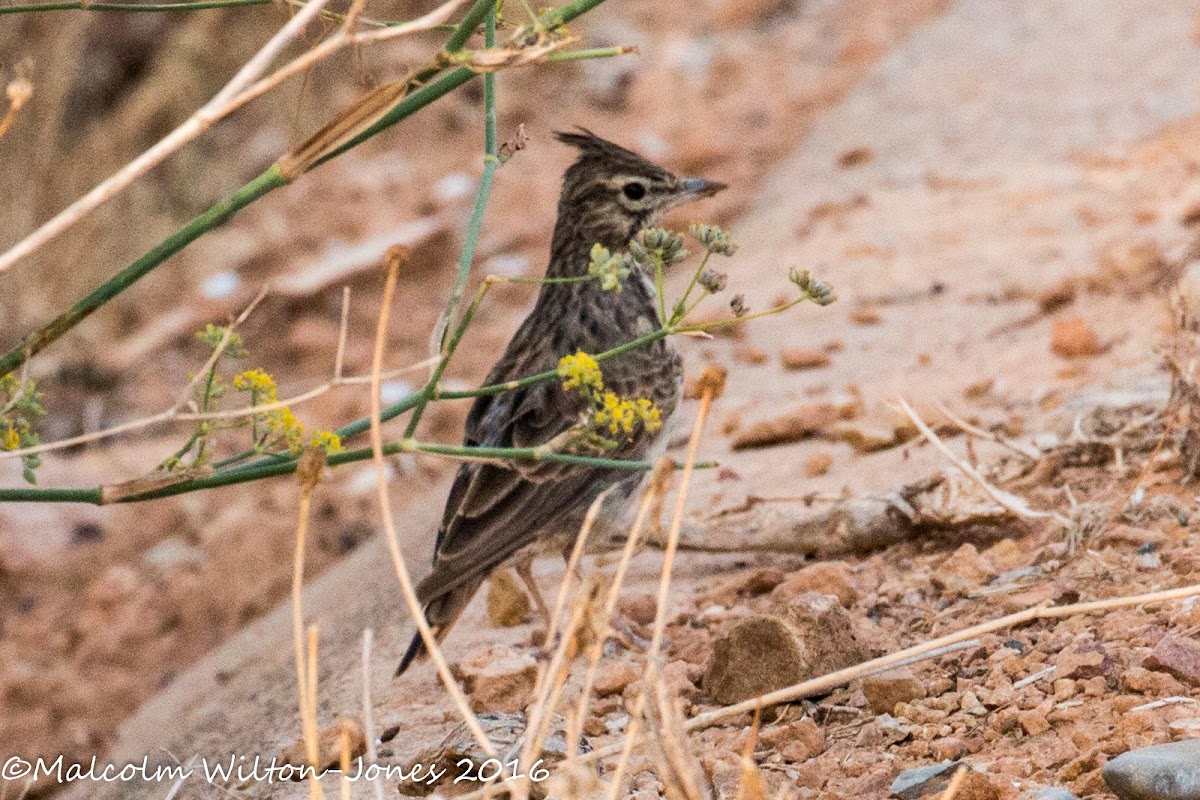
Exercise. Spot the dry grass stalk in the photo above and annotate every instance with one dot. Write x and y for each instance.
(956, 782)
(549, 692)
(1006, 500)
(369, 710)
(245, 86)
(1029, 451)
(675, 763)
(395, 258)
(712, 384)
(656, 488)
(572, 568)
(308, 475)
(18, 92)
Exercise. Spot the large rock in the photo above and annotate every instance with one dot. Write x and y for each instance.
(811, 636)
(1162, 772)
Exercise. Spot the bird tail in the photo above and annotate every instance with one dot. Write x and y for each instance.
(441, 613)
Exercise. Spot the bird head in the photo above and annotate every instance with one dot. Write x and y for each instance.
(610, 193)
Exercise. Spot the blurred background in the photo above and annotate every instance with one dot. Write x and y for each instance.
(945, 164)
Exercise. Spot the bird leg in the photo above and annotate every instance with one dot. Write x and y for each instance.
(524, 570)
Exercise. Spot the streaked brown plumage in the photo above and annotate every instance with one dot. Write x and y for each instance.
(494, 513)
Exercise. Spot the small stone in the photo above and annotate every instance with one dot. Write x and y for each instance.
(802, 358)
(1188, 728)
(329, 745)
(1160, 772)
(761, 581)
(802, 422)
(613, 677)
(866, 316)
(1033, 721)
(749, 354)
(1057, 296)
(1047, 793)
(825, 577)
(1089, 783)
(639, 608)
(498, 679)
(1083, 660)
(1178, 657)
(977, 786)
(886, 689)
(963, 571)
(1074, 338)
(863, 437)
(913, 784)
(797, 741)
(1144, 681)
(507, 603)
(818, 464)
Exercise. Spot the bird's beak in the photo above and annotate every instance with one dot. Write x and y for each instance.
(697, 189)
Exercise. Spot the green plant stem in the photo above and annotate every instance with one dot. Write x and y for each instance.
(216, 215)
(265, 183)
(95, 495)
(491, 161)
(81, 5)
(594, 52)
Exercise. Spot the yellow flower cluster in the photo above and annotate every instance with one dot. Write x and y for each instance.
(620, 415)
(581, 372)
(281, 421)
(259, 382)
(12, 439)
(328, 441)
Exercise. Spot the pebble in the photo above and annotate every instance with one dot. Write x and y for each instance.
(801, 358)
(498, 679)
(1048, 793)
(802, 422)
(825, 577)
(818, 464)
(1177, 657)
(963, 571)
(1160, 772)
(1074, 338)
(885, 690)
(913, 784)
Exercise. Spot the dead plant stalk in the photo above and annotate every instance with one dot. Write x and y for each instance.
(244, 87)
(395, 257)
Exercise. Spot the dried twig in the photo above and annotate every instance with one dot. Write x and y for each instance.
(309, 475)
(244, 87)
(395, 258)
(1006, 500)
(712, 383)
(369, 710)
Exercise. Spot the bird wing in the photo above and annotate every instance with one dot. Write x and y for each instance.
(495, 510)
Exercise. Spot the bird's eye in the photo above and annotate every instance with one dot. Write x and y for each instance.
(634, 190)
